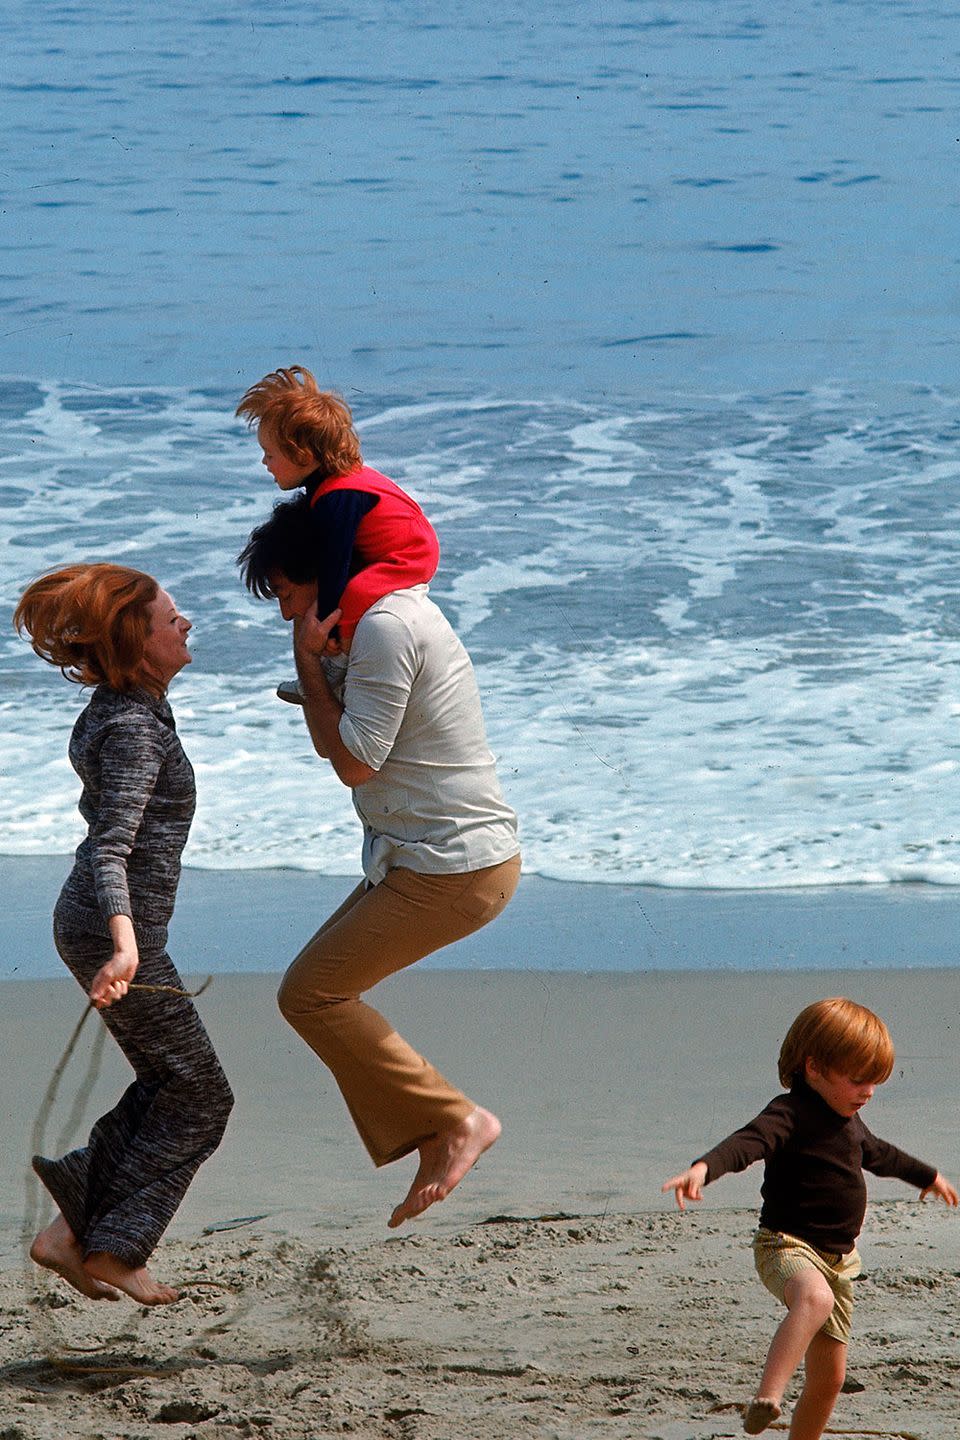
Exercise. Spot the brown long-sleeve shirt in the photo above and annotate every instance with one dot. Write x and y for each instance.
(813, 1185)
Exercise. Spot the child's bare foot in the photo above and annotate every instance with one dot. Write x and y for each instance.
(759, 1414)
(56, 1248)
(137, 1282)
(444, 1161)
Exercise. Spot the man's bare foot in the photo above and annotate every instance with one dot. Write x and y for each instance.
(759, 1414)
(444, 1161)
(138, 1283)
(56, 1248)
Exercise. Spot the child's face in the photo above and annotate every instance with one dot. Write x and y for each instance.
(842, 1092)
(286, 472)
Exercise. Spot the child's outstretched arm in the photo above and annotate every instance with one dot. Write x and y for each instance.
(941, 1187)
(689, 1185)
(754, 1141)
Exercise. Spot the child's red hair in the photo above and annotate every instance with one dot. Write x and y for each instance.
(838, 1035)
(308, 425)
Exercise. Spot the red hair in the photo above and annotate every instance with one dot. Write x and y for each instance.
(91, 621)
(838, 1035)
(308, 425)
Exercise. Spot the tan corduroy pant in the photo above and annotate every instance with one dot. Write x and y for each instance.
(396, 1098)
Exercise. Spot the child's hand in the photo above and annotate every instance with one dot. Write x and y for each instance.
(689, 1185)
(943, 1188)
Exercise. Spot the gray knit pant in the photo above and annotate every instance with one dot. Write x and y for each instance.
(120, 1191)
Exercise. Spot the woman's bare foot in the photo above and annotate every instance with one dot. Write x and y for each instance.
(56, 1248)
(759, 1414)
(137, 1282)
(444, 1161)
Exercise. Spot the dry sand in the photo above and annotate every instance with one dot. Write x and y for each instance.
(614, 1326)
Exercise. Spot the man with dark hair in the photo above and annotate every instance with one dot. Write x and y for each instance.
(283, 545)
(397, 713)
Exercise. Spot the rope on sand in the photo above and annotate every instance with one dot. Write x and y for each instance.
(857, 1433)
(59, 1355)
(890, 1434)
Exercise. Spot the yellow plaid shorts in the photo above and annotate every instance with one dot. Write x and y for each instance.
(778, 1257)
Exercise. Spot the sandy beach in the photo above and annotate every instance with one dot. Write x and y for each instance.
(556, 1293)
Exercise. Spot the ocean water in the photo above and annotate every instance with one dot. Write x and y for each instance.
(653, 306)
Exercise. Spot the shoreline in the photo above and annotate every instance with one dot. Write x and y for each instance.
(255, 921)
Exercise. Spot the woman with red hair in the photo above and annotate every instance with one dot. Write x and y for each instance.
(115, 629)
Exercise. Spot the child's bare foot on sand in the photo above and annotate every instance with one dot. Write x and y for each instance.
(759, 1414)
(137, 1282)
(56, 1248)
(444, 1161)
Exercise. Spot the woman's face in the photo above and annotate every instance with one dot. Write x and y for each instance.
(165, 652)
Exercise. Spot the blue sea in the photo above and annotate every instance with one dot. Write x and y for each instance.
(655, 307)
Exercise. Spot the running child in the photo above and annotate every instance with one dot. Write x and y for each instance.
(370, 537)
(815, 1148)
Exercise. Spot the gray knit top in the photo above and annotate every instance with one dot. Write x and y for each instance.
(138, 801)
